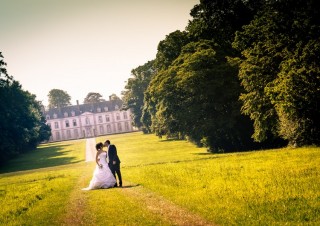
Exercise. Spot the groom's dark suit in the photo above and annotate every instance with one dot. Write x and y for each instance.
(114, 162)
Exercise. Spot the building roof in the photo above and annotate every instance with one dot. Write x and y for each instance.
(105, 106)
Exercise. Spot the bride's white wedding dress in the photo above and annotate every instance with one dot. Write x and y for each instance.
(102, 176)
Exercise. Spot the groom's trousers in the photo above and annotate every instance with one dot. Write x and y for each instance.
(115, 169)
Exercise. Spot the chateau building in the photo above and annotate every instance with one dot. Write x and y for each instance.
(88, 120)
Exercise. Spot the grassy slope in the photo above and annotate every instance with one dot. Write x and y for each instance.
(266, 187)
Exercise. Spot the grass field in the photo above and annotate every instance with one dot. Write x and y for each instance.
(166, 182)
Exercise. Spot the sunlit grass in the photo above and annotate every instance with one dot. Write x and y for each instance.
(35, 197)
(112, 207)
(270, 187)
(274, 187)
(137, 149)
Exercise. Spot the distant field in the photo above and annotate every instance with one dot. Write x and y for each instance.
(273, 187)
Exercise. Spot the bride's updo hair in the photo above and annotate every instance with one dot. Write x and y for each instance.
(99, 146)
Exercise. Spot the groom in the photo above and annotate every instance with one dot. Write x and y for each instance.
(114, 161)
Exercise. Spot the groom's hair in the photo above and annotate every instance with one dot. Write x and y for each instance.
(107, 141)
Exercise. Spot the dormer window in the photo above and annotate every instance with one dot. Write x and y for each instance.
(116, 107)
(73, 113)
(98, 109)
(55, 115)
(48, 117)
(106, 109)
(65, 114)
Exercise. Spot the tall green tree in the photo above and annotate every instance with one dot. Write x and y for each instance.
(58, 98)
(93, 98)
(197, 97)
(133, 95)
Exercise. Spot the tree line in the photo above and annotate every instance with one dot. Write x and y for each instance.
(244, 74)
(22, 124)
(58, 98)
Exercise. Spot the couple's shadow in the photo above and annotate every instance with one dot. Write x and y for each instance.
(129, 186)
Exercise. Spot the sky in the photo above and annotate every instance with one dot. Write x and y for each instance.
(82, 46)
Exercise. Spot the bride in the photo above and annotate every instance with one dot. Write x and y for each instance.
(102, 176)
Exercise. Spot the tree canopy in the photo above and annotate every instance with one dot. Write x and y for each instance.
(58, 98)
(93, 98)
(133, 96)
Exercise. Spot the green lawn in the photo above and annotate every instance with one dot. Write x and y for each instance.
(273, 187)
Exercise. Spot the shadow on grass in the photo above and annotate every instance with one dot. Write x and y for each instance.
(129, 186)
(169, 140)
(47, 156)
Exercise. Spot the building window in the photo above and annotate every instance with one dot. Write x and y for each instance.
(65, 114)
(67, 123)
(118, 116)
(119, 127)
(73, 113)
(57, 136)
(101, 130)
(68, 134)
(125, 116)
(107, 118)
(98, 109)
(116, 107)
(108, 128)
(106, 109)
(100, 119)
(48, 117)
(87, 121)
(126, 126)
(74, 121)
(56, 125)
(49, 124)
(54, 115)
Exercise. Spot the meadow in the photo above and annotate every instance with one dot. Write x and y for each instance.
(166, 182)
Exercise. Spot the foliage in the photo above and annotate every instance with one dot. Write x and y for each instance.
(271, 45)
(187, 96)
(58, 98)
(190, 99)
(169, 49)
(22, 124)
(114, 97)
(133, 96)
(218, 20)
(279, 72)
(93, 98)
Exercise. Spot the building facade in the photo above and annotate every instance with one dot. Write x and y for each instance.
(88, 120)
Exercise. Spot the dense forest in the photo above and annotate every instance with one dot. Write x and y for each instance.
(244, 74)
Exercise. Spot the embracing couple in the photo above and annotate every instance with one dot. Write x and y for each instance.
(107, 167)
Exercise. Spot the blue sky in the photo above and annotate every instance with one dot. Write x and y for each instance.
(83, 46)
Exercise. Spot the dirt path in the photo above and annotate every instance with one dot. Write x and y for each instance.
(161, 206)
(90, 149)
(154, 203)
